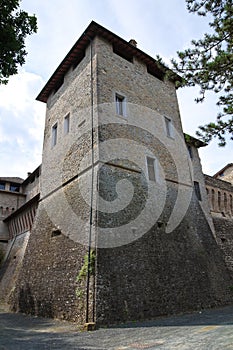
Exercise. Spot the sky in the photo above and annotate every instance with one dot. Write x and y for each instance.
(159, 27)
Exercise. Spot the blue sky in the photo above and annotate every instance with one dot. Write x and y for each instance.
(159, 27)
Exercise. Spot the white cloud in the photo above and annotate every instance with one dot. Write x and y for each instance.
(160, 27)
(21, 124)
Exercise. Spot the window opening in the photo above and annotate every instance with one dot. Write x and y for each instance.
(54, 135)
(67, 124)
(120, 105)
(197, 190)
(168, 124)
(151, 168)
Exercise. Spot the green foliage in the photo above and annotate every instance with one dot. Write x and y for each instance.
(15, 25)
(83, 272)
(209, 64)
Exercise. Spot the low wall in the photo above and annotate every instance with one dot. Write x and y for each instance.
(11, 267)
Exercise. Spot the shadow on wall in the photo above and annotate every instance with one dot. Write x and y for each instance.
(29, 305)
(1, 256)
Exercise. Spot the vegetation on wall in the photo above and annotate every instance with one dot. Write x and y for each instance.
(82, 275)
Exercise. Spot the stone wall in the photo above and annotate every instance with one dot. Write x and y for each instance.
(157, 254)
(220, 194)
(224, 232)
(47, 283)
(226, 174)
(163, 273)
(155, 251)
(31, 186)
(10, 202)
(11, 267)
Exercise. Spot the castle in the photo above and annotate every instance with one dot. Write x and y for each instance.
(118, 223)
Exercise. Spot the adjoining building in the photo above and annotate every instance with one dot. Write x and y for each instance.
(225, 173)
(123, 229)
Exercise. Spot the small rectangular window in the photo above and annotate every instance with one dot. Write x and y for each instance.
(155, 71)
(120, 105)
(14, 187)
(151, 168)
(54, 135)
(168, 124)
(67, 124)
(121, 51)
(197, 190)
(2, 185)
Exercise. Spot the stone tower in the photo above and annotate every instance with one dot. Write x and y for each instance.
(121, 192)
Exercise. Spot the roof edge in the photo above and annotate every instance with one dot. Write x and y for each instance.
(193, 141)
(223, 169)
(86, 37)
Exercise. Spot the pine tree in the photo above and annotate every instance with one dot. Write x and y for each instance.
(209, 65)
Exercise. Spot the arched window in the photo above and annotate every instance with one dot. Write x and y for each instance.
(231, 204)
(219, 200)
(225, 202)
(212, 199)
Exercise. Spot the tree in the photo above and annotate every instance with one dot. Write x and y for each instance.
(15, 25)
(209, 65)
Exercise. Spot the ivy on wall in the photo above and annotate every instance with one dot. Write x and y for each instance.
(81, 277)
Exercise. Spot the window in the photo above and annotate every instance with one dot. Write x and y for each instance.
(2, 185)
(197, 190)
(151, 168)
(14, 187)
(120, 105)
(219, 200)
(121, 51)
(67, 124)
(54, 135)
(225, 202)
(168, 125)
(81, 55)
(231, 204)
(212, 199)
(155, 71)
(190, 151)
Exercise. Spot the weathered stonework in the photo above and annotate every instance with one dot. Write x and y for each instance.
(220, 195)
(162, 273)
(47, 285)
(153, 240)
(225, 174)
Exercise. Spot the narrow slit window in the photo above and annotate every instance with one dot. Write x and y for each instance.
(120, 105)
(190, 151)
(54, 135)
(67, 124)
(168, 125)
(197, 190)
(151, 168)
